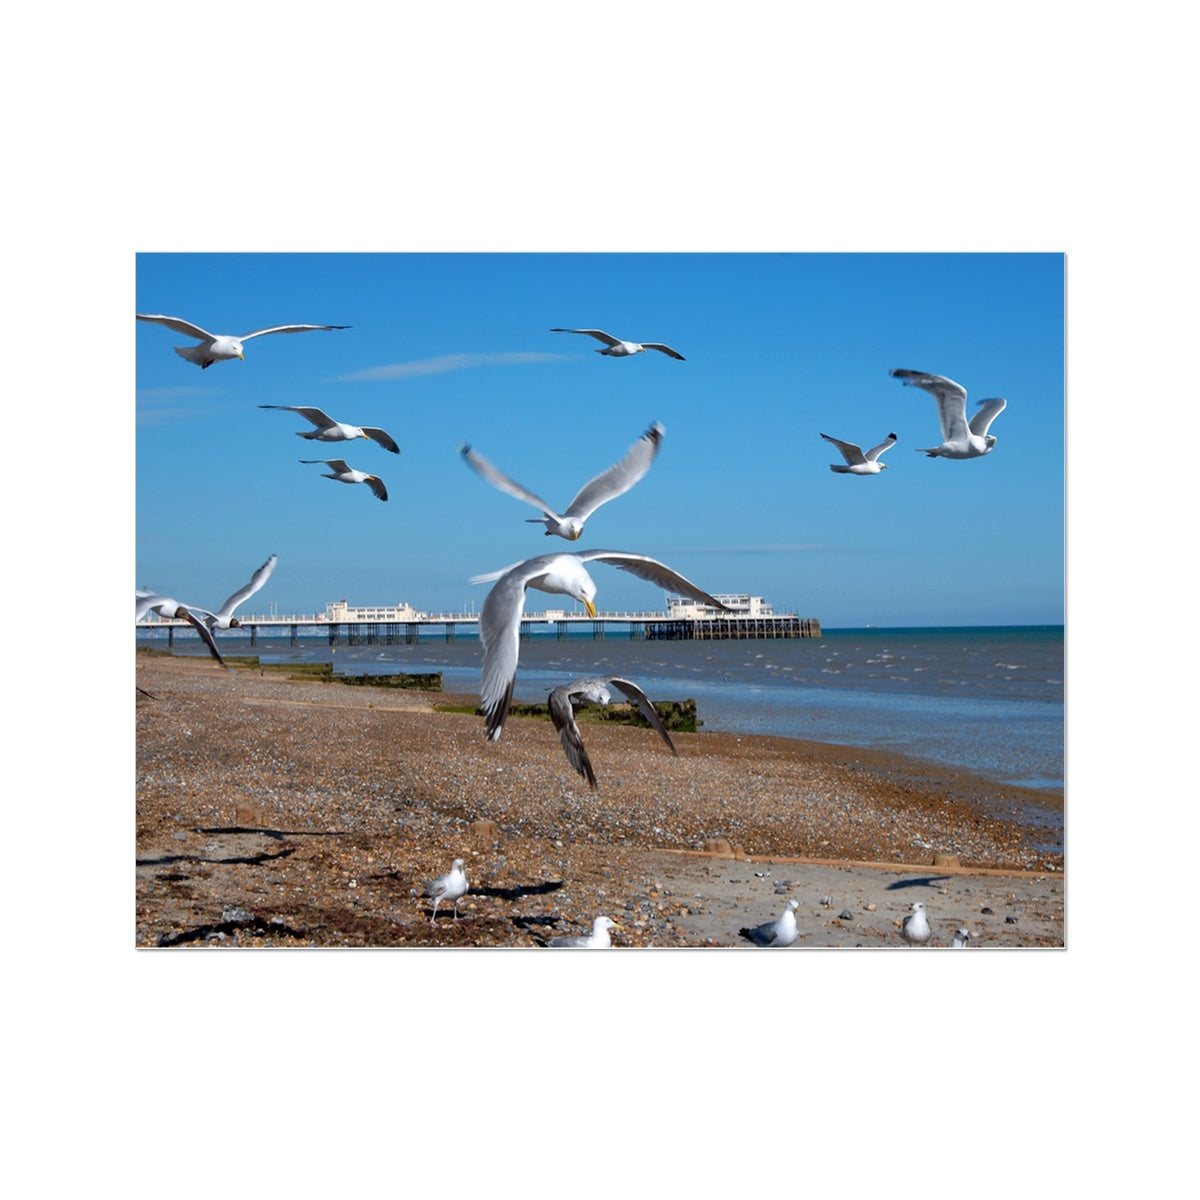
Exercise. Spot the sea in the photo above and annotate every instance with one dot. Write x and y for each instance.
(985, 699)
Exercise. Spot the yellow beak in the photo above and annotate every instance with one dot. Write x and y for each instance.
(591, 608)
(241, 356)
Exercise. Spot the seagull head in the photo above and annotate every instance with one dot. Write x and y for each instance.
(574, 527)
(586, 594)
(991, 440)
(234, 623)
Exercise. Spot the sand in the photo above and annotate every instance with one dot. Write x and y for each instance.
(278, 813)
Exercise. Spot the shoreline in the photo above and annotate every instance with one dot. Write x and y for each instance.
(313, 812)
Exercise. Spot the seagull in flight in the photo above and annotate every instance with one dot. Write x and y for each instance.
(609, 484)
(615, 348)
(598, 939)
(778, 933)
(960, 438)
(329, 430)
(217, 347)
(567, 699)
(565, 574)
(340, 470)
(449, 887)
(223, 618)
(170, 609)
(858, 462)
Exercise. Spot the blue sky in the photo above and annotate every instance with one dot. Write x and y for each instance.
(447, 348)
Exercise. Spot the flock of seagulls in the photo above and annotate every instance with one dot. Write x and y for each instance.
(961, 438)
(562, 573)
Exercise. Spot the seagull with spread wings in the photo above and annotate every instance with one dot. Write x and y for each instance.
(217, 347)
(171, 610)
(223, 618)
(329, 430)
(341, 470)
(859, 462)
(960, 438)
(566, 700)
(609, 484)
(615, 348)
(565, 574)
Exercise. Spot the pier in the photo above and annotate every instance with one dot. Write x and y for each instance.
(651, 626)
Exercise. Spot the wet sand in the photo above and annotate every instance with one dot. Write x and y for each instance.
(280, 813)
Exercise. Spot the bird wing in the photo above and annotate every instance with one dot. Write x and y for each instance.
(645, 707)
(498, 479)
(850, 452)
(664, 349)
(144, 601)
(873, 454)
(315, 415)
(620, 477)
(376, 485)
(384, 439)
(179, 325)
(335, 464)
(563, 716)
(245, 337)
(500, 635)
(204, 632)
(599, 334)
(989, 410)
(244, 593)
(951, 400)
(650, 569)
(760, 935)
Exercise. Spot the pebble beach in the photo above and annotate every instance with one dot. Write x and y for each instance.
(273, 812)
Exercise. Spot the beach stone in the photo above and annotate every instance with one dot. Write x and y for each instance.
(179, 836)
(845, 915)
(485, 831)
(718, 848)
(946, 860)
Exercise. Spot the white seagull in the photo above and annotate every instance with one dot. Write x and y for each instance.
(170, 609)
(960, 438)
(962, 935)
(598, 939)
(500, 617)
(329, 430)
(344, 473)
(776, 934)
(615, 348)
(914, 929)
(217, 347)
(606, 486)
(223, 618)
(451, 886)
(859, 462)
(566, 700)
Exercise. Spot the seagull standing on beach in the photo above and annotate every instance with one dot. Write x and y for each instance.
(565, 700)
(858, 462)
(223, 618)
(606, 486)
(960, 438)
(329, 430)
(778, 933)
(962, 935)
(217, 347)
(565, 574)
(344, 473)
(451, 886)
(598, 939)
(169, 609)
(915, 929)
(615, 348)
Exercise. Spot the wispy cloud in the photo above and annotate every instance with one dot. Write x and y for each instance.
(786, 548)
(445, 363)
(160, 406)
